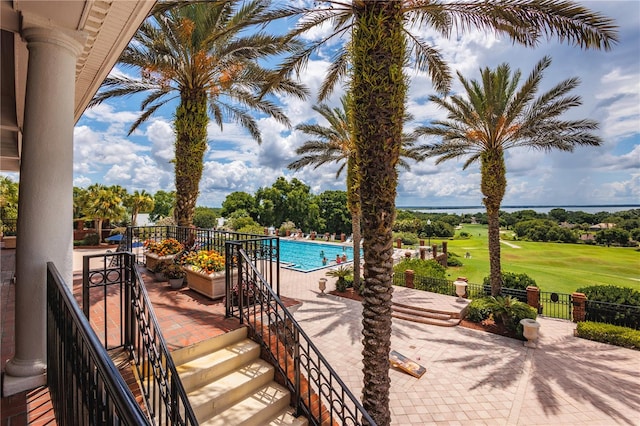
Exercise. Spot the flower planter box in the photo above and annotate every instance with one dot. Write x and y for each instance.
(9, 242)
(210, 285)
(152, 260)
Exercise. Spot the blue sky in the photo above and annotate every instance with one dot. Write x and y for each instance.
(610, 91)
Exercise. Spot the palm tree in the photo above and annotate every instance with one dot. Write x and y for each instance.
(335, 143)
(103, 203)
(139, 201)
(206, 55)
(495, 116)
(381, 45)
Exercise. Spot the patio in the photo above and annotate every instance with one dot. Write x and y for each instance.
(472, 377)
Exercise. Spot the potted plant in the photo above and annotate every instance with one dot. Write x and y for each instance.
(341, 273)
(248, 294)
(175, 274)
(158, 271)
(205, 272)
(161, 251)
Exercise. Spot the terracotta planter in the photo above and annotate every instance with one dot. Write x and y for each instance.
(152, 260)
(9, 242)
(210, 285)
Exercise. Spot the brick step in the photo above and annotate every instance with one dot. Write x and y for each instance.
(427, 320)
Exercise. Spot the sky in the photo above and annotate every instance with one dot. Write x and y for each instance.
(609, 174)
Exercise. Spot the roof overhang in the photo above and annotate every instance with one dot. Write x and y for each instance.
(108, 26)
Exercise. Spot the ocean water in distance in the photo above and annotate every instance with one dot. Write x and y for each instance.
(511, 209)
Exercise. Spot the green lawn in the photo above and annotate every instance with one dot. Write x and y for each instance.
(555, 267)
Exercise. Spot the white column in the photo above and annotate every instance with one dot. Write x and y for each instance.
(45, 218)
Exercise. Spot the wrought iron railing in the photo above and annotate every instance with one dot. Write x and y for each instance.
(85, 386)
(613, 313)
(317, 391)
(555, 305)
(139, 333)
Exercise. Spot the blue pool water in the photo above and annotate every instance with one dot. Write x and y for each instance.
(307, 256)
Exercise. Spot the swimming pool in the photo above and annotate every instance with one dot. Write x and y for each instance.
(307, 256)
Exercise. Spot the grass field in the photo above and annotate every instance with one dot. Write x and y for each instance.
(555, 267)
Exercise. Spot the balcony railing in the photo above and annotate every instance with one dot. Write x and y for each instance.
(137, 330)
(318, 393)
(85, 386)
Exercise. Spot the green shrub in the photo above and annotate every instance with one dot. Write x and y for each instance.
(453, 261)
(479, 309)
(464, 234)
(341, 273)
(513, 280)
(612, 294)
(408, 238)
(426, 268)
(611, 334)
(509, 311)
(91, 240)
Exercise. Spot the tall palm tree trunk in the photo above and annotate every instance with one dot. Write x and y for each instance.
(378, 90)
(191, 143)
(353, 202)
(493, 185)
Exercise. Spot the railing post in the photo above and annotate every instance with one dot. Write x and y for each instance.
(579, 301)
(409, 275)
(129, 262)
(533, 297)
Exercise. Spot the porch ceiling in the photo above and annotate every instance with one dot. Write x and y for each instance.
(108, 25)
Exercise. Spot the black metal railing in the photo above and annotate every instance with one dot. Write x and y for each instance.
(555, 305)
(136, 328)
(85, 386)
(206, 239)
(317, 391)
(613, 313)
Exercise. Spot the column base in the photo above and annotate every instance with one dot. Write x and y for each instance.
(12, 385)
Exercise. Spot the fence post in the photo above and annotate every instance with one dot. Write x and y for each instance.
(423, 253)
(408, 278)
(398, 243)
(533, 297)
(434, 251)
(579, 301)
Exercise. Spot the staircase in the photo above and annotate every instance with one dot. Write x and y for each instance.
(430, 316)
(228, 384)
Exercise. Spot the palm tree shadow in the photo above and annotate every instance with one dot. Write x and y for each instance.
(594, 377)
(587, 377)
(328, 311)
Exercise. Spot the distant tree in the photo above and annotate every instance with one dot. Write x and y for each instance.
(496, 115)
(205, 217)
(238, 200)
(163, 204)
(635, 234)
(559, 215)
(8, 198)
(240, 219)
(437, 228)
(612, 236)
(288, 200)
(138, 202)
(334, 211)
